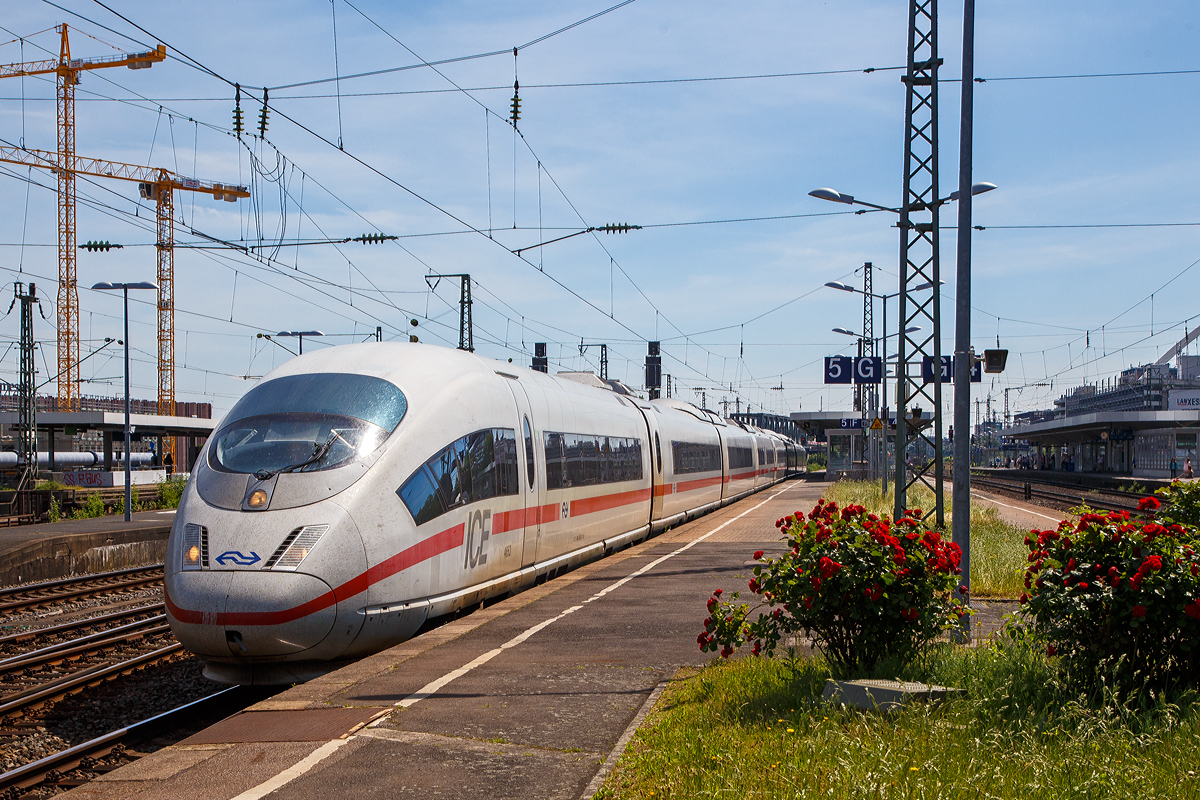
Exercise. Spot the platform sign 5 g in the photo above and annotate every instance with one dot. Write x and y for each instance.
(845, 369)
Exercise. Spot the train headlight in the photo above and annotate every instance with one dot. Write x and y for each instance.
(295, 548)
(195, 546)
(258, 498)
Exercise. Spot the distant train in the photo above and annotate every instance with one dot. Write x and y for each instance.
(357, 491)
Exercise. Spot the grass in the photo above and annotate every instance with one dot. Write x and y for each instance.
(757, 728)
(997, 548)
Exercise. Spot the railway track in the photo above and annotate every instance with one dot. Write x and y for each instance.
(79, 764)
(66, 682)
(1062, 496)
(38, 595)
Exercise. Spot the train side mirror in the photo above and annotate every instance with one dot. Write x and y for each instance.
(994, 360)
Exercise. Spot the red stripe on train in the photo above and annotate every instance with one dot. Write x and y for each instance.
(421, 551)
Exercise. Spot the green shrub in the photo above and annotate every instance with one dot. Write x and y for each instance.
(170, 491)
(55, 512)
(92, 507)
(1118, 598)
(134, 504)
(866, 590)
(1180, 504)
(53, 485)
(816, 462)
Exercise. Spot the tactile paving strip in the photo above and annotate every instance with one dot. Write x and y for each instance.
(308, 725)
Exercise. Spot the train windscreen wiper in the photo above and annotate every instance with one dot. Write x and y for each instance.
(319, 453)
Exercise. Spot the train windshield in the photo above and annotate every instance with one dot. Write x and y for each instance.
(304, 423)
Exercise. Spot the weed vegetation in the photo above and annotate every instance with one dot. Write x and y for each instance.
(998, 550)
(757, 728)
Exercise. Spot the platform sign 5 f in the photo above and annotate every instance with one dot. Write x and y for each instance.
(839, 369)
(868, 369)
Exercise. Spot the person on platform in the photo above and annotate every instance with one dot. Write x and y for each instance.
(1174, 468)
(169, 463)
(1187, 467)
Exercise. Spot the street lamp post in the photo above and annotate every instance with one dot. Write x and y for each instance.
(902, 377)
(125, 287)
(300, 335)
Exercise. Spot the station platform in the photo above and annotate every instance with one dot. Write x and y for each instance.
(532, 697)
(52, 550)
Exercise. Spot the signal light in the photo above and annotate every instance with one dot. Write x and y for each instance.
(263, 116)
(92, 247)
(951, 434)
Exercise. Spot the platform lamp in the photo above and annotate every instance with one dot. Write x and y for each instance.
(300, 335)
(125, 287)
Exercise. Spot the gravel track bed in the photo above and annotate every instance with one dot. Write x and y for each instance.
(106, 708)
(78, 609)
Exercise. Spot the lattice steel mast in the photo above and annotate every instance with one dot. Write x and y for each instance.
(919, 263)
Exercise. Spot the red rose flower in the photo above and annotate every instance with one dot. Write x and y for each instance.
(1024, 599)
(1138, 612)
(1051, 650)
(1148, 504)
(758, 554)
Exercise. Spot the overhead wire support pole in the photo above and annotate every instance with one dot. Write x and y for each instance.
(603, 356)
(963, 354)
(466, 330)
(919, 265)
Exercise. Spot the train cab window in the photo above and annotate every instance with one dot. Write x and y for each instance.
(476, 467)
(529, 465)
(306, 423)
(658, 451)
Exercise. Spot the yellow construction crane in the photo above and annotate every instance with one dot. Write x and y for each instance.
(156, 184)
(68, 69)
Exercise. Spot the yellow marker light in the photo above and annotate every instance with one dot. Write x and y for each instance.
(193, 555)
(258, 499)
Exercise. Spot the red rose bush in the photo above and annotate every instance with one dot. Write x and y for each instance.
(1117, 597)
(865, 589)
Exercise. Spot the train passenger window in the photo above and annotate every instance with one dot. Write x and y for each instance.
(741, 457)
(476, 467)
(574, 459)
(529, 465)
(691, 457)
(658, 451)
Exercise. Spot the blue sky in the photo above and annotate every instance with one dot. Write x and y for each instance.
(1070, 303)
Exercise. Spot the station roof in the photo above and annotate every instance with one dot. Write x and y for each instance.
(1088, 427)
(152, 424)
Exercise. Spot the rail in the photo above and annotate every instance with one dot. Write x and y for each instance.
(49, 769)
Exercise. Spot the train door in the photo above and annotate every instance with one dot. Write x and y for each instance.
(657, 488)
(531, 483)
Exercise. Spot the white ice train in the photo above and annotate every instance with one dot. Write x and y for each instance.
(357, 491)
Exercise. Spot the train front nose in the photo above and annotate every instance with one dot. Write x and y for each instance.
(251, 614)
(253, 588)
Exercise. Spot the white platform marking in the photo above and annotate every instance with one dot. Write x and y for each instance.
(432, 687)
